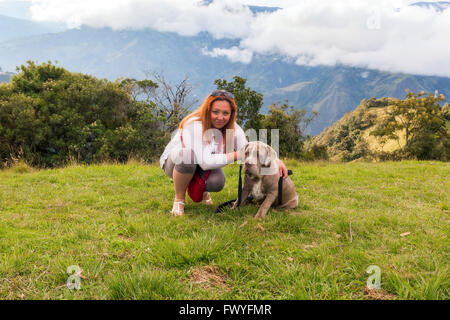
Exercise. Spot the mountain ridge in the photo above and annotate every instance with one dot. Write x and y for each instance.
(15, 28)
(437, 5)
(105, 53)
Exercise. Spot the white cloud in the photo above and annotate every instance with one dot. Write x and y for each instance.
(234, 54)
(412, 39)
(368, 33)
(224, 18)
(271, 3)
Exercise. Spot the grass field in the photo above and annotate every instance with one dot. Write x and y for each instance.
(112, 222)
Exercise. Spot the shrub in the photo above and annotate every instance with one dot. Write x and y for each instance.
(52, 115)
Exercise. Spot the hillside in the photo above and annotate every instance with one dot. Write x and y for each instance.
(13, 28)
(349, 138)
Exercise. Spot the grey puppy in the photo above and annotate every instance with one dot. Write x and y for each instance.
(261, 179)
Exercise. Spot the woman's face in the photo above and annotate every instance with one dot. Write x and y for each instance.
(220, 113)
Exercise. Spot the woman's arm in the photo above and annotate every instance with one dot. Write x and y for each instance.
(207, 160)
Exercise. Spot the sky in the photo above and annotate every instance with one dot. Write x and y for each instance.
(388, 35)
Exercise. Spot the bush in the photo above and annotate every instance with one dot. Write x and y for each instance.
(52, 115)
(316, 152)
(446, 112)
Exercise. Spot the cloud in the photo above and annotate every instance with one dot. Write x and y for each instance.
(378, 34)
(234, 54)
(224, 18)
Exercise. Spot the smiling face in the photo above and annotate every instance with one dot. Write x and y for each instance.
(220, 113)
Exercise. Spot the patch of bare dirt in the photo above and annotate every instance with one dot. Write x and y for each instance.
(376, 294)
(310, 246)
(208, 277)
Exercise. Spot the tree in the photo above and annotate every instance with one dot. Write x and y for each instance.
(446, 112)
(139, 90)
(249, 102)
(292, 124)
(49, 115)
(173, 102)
(421, 118)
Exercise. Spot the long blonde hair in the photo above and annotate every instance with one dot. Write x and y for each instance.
(204, 113)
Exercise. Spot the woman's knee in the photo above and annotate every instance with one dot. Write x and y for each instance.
(185, 168)
(184, 161)
(216, 181)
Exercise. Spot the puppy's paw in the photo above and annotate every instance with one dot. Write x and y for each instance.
(259, 216)
(234, 205)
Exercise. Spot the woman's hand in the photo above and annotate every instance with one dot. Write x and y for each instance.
(282, 168)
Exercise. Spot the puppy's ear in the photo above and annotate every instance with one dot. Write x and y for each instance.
(241, 152)
(271, 155)
(246, 148)
(268, 159)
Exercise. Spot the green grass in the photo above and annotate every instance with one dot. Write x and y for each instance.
(112, 221)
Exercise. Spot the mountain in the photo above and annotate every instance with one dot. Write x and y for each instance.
(13, 28)
(5, 76)
(333, 91)
(438, 5)
(258, 9)
(106, 53)
(253, 9)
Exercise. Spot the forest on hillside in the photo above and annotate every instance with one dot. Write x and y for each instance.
(391, 129)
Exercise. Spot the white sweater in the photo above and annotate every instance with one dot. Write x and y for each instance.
(209, 156)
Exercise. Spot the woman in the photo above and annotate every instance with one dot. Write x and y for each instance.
(199, 146)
